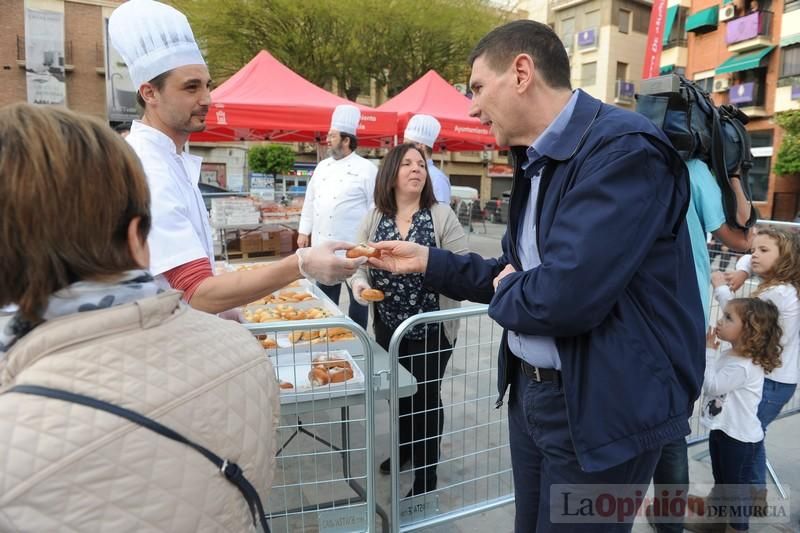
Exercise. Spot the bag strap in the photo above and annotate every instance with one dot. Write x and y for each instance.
(229, 469)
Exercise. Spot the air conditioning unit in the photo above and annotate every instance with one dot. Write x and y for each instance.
(721, 85)
(727, 12)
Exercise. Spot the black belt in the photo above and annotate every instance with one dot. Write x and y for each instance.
(540, 375)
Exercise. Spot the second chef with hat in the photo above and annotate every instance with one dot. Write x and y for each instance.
(173, 84)
(340, 193)
(423, 130)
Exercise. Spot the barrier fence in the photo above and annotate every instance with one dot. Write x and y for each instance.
(327, 469)
(324, 478)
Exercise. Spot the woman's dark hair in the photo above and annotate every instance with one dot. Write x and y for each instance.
(386, 181)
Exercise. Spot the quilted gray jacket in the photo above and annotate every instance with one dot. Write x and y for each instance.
(68, 467)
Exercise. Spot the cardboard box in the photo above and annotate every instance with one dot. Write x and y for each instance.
(251, 243)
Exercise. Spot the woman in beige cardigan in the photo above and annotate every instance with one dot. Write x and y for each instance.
(93, 324)
(406, 209)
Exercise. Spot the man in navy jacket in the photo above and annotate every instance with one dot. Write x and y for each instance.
(596, 291)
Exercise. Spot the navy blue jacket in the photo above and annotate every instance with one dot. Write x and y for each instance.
(616, 287)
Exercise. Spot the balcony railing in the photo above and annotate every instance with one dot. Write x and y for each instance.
(678, 41)
(624, 91)
(747, 94)
(750, 26)
(61, 62)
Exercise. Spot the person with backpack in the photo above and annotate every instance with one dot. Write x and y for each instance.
(699, 143)
(705, 215)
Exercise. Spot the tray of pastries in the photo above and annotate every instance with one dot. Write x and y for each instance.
(333, 373)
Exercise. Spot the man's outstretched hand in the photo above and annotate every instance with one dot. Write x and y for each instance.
(400, 257)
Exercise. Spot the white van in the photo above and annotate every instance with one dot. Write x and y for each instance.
(468, 194)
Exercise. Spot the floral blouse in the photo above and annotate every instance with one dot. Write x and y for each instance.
(406, 295)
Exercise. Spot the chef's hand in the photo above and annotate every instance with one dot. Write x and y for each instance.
(357, 286)
(505, 272)
(302, 240)
(736, 279)
(400, 257)
(320, 263)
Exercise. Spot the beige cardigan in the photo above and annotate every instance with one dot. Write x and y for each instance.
(449, 236)
(67, 467)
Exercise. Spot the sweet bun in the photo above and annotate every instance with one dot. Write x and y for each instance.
(372, 295)
(318, 376)
(362, 250)
(285, 384)
(340, 374)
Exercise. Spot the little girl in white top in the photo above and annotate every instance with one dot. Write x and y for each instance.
(732, 391)
(776, 260)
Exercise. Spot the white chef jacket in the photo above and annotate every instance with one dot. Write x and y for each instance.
(440, 182)
(340, 193)
(180, 230)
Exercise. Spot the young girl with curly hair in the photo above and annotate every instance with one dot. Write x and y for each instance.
(776, 260)
(732, 388)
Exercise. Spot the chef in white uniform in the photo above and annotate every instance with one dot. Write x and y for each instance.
(423, 131)
(341, 191)
(166, 66)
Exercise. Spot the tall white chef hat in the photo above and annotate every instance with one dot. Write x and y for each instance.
(152, 38)
(422, 129)
(345, 119)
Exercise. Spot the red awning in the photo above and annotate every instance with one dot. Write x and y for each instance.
(266, 100)
(433, 95)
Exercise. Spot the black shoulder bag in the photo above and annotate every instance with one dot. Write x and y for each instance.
(229, 469)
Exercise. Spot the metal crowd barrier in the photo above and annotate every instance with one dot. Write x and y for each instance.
(324, 480)
(474, 466)
(326, 466)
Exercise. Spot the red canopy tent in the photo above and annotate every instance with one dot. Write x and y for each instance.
(433, 95)
(266, 100)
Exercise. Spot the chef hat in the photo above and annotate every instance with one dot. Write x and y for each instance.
(345, 119)
(152, 38)
(422, 129)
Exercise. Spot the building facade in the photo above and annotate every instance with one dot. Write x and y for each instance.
(605, 40)
(747, 53)
(77, 64)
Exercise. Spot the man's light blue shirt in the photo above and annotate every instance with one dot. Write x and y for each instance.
(440, 182)
(536, 350)
(705, 215)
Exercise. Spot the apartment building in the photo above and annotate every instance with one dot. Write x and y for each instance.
(605, 40)
(53, 52)
(747, 53)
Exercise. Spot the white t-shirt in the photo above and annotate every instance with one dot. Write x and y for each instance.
(731, 393)
(340, 193)
(180, 231)
(785, 299)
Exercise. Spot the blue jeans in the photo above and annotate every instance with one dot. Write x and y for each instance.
(774, 397)
(732, 462)
(359, 313)
(672, 469)
(542, 454)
